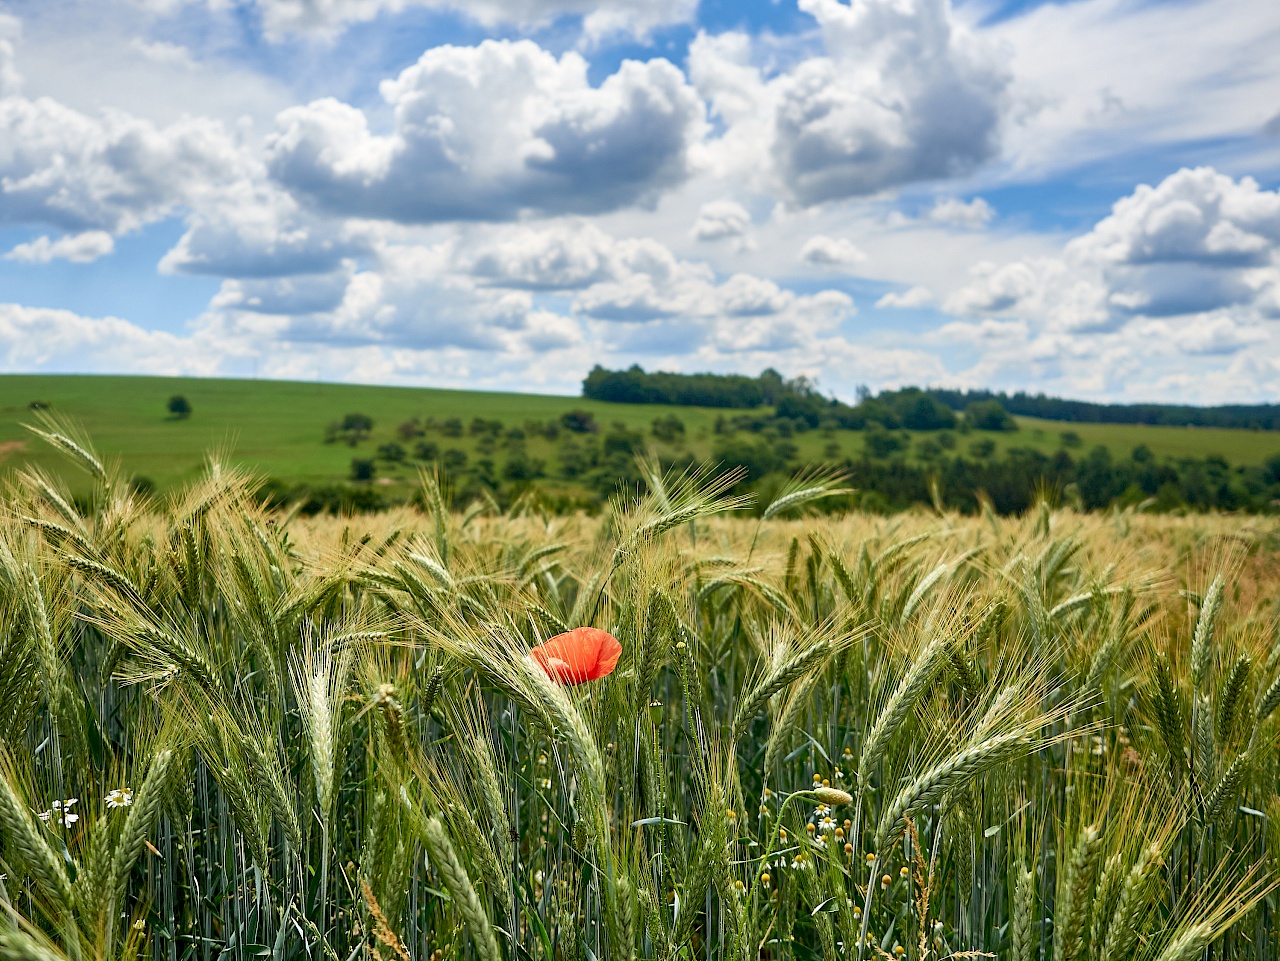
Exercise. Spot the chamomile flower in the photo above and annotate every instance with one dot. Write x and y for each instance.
(121, 797)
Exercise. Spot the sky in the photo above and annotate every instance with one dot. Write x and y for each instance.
(1076, 198)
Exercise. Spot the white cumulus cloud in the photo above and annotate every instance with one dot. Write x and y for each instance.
(112, 172)
(957, 213)
(917, 296)
(1197, 242)
(601, 18)
(719, 219)
(38, 338)
(77, 248)
(839, 252)
(486, 132)
(904, 93)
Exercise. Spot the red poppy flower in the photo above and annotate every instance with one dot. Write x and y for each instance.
(582, 654)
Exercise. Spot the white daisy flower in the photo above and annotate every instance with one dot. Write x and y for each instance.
(121, 797)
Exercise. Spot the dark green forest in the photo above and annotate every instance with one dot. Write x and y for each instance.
(901, 408)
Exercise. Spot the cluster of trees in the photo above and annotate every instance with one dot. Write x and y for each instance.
(932, 408)
(1244, 416)
(588, 468)
(634, 386)
(1094, 481)
(794, 400)
(950, 450)
(906, 409)
(592, 461)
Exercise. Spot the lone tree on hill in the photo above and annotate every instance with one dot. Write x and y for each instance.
(353, 428)
(179, 407)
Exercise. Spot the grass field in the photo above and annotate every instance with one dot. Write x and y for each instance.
(233, 735)
(277, 427)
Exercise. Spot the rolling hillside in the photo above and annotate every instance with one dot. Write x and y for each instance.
(277, 428)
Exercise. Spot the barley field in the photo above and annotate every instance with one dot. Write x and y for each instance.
(227, 734)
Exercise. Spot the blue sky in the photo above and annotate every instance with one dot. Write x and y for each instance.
(1079, 198)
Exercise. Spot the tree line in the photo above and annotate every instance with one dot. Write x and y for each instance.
(931, 408)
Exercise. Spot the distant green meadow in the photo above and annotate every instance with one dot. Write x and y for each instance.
(277, 428)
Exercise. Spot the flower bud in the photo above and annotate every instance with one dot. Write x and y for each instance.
(833, 796)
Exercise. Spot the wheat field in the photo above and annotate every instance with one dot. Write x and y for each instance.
(227, 734)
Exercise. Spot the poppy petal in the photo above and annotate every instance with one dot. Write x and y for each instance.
(583, 654)
(610, 651)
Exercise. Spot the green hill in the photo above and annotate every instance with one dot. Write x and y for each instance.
(278, 428)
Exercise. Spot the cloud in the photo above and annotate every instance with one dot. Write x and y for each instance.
(1195, 216)
(564, 256)
(744, 295)
(113, 172)
(160, 51)
(904, 94)
(918, 296)
(984, 331)
(1220, 334)
(601, 18)
(301, 294)
(77, 248)
(1015, 286)
(1099, 77)
(255, 229)
(37, 338)
(638, 292)
(10, 78)
(1196, 243)
(487, 132)
(720, 219)
(956, 213)
(823, 251)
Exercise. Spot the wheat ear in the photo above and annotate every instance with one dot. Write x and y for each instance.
(17, 824)
(1122, 931)
(1202, 638)
(950, 774)
(1023, 944)
(1069, 928)
(773, 682)
(1188, 945)
(445, 860)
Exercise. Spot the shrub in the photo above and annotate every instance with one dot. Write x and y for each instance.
(882, 443)
(579, 422)
(669, 428)
(409, 429)
(989, 415)
(391, 452)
